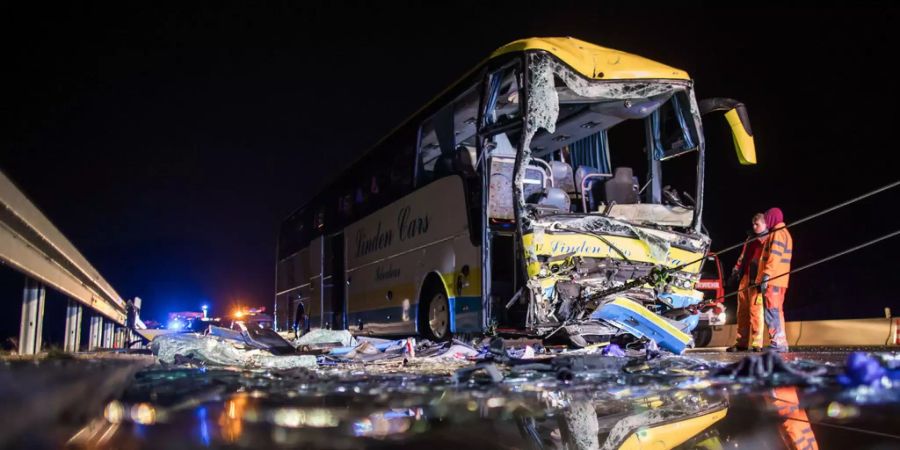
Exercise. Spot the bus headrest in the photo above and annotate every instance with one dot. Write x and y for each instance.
(562, 176)
(444, 165)
(621, 188)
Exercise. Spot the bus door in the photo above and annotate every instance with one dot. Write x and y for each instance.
(335, 286)
(328, 286)
(508, 299)
(317, 282)
(503, 280)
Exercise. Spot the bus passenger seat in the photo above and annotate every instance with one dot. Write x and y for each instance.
(580, 173)
(556, 198)
(464, 163)
(622, 187)
(562, 176)
(443, 166)
(533, 184)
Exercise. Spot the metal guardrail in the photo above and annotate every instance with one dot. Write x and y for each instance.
(30, 243)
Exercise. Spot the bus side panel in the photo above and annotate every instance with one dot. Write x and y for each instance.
(390, 253)
(465, 291)
(292, 284)
(383, 296)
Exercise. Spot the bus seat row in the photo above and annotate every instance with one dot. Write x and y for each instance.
(553, 186)
(622, 187)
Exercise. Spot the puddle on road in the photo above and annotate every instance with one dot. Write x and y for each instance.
(669, 402)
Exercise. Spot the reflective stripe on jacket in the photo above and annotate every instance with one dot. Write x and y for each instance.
(776, 256)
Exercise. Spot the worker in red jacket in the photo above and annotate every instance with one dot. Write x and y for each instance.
(749, 304)
(774, 265)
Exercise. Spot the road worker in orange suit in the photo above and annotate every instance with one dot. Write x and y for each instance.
(750, 302)
(774, 264)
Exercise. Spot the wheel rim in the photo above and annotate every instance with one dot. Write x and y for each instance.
(438, 316)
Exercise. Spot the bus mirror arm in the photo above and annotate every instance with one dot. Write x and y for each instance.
(739, 121)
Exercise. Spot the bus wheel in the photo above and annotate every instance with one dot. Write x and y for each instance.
(702, 336)
(436, 312)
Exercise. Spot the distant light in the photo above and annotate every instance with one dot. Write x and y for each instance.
(143, 413)
(205, 307)
(175, 325)
(114, 412)
(239, 314)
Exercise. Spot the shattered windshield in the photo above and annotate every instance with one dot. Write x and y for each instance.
(626, 149)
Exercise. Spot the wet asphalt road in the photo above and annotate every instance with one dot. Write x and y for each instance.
(358, 407)
(833, 355)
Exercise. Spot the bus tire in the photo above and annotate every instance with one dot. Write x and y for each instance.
(702, 336)
(434, 312)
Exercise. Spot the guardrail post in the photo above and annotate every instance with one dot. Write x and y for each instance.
(73, 326)
(108, 330)
(95, 333)
(79, 320)
(31, 326)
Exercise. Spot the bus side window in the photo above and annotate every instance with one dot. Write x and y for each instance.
(345, 206)
(319, 220)
(429, 153)
(447, 139)
(502, 96)
(401, 172)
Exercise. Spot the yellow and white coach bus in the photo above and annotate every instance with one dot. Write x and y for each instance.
(556, 188)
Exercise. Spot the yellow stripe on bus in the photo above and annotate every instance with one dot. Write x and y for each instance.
(585, 245)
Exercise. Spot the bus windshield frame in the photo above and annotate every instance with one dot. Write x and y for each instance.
(552, 91)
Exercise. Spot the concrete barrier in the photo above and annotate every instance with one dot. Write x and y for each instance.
(879, 331)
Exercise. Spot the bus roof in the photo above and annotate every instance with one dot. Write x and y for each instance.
(594, 61)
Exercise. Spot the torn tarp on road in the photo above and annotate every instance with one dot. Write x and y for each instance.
(218, 350)
(323, 336)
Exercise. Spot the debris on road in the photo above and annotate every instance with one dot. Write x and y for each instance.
(223, 351)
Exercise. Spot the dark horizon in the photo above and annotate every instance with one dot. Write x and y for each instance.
(167, 145)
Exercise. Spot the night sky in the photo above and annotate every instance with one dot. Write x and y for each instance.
(167, 144)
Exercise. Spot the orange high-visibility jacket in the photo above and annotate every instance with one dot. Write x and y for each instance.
(776, 256)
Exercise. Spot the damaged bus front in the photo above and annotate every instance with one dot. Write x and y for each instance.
(594, 179)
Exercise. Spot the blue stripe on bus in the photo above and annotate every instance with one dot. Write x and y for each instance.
(466, 317)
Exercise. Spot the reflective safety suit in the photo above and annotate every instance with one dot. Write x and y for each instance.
(749, 299)
(775, 261)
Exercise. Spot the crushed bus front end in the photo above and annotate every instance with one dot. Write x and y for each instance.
(608, 249)
(581, 263)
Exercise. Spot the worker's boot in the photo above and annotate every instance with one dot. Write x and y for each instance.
(736, 348)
